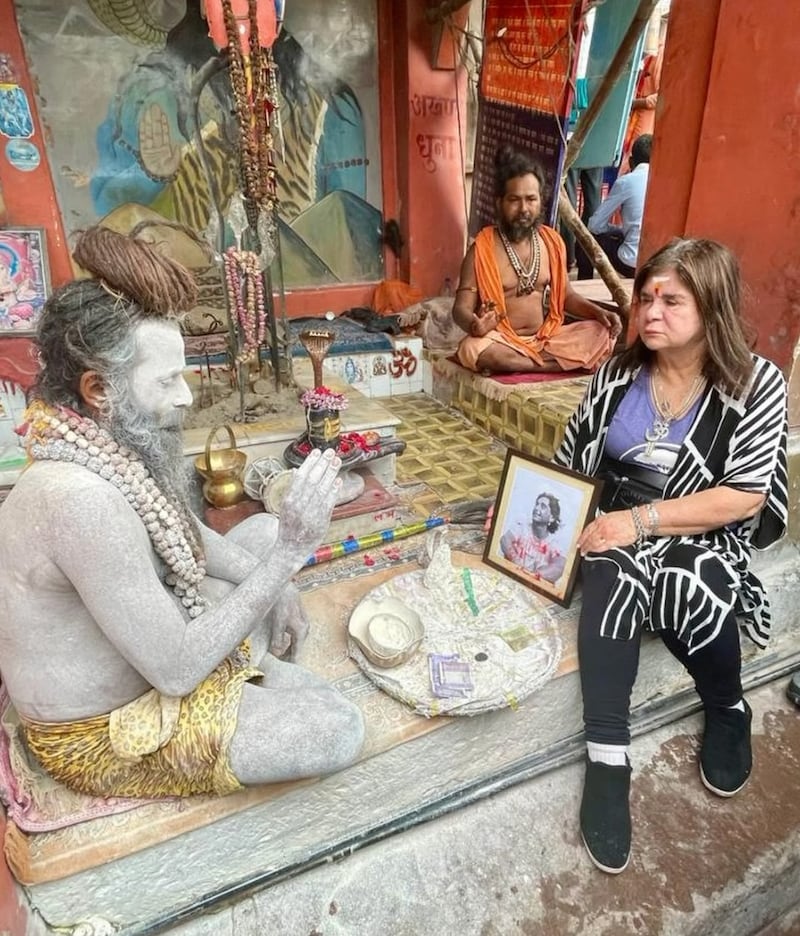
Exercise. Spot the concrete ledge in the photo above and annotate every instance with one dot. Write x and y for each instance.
(513, 863)
(431, 776)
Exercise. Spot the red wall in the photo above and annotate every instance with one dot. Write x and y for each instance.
(431, 153)
(30, 196)
(13, 909)
(726, 159)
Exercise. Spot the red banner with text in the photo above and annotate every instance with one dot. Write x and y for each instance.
(526, 90)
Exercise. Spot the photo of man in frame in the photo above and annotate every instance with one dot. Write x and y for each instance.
(533, 549)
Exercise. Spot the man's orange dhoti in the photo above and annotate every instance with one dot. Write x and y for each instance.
(580, 345)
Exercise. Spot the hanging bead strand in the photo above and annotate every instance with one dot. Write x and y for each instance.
(246, 290)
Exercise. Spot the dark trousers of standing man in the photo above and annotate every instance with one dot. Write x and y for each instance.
(610, 242)
(591, 182)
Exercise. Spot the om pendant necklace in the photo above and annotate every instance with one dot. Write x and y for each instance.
(527, 278)
(665, 415)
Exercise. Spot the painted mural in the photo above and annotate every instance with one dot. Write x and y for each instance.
(140, 124)
(12, 406)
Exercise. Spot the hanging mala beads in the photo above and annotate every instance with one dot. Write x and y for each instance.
(273, 117)
(258, 98)
(246, 290)
(250, 87)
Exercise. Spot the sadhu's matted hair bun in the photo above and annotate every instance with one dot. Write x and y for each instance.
(134, 269)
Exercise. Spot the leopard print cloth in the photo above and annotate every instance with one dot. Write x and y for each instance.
(155, 746)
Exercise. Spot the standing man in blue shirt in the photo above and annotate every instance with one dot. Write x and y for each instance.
(621, 244)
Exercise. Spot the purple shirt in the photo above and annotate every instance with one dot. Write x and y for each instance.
(636, 414)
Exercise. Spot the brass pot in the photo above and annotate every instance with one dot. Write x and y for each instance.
(223, 471)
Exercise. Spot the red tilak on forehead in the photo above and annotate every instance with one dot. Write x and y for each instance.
(658, 281)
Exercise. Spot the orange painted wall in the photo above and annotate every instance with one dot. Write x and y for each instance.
(681, 106)
(726, 161)
(430, 152)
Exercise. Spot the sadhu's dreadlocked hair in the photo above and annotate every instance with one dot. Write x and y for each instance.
(89, 324)
(135, 269)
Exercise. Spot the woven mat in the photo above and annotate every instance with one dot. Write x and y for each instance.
(454, 459)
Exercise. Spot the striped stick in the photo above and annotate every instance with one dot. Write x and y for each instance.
(370, 540)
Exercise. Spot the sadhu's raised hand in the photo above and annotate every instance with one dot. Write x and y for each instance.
(306, 507)
(486, 319)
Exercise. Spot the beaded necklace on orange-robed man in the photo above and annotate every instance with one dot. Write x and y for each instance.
(527, 277)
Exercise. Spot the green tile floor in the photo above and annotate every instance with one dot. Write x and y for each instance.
(457, 461)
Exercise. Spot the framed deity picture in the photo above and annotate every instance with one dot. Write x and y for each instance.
(24, 279)
(539, 514)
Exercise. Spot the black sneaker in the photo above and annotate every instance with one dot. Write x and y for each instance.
(606, 815)
(793, 689)
(726, 757)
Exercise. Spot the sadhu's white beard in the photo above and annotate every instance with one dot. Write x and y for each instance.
(159, 446)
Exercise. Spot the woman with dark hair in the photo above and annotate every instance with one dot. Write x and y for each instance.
(688, 429)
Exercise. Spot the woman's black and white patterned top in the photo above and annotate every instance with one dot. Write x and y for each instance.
(737, 442)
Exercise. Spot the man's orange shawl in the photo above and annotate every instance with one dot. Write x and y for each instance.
(575, 346)
(490, 287)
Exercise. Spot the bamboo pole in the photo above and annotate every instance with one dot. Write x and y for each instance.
(595, 253)
(566, 211)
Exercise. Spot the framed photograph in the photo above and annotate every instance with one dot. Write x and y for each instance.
(24, 279)
(539, 514)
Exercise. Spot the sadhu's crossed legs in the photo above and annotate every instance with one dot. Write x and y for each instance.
(502, 359)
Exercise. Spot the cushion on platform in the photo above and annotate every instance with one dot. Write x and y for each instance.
(350, 336)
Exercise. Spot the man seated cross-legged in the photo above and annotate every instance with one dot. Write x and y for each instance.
(513, 291)
(134, 641)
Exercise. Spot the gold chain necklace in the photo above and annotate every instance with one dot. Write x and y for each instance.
(527, 278)
(665, 414)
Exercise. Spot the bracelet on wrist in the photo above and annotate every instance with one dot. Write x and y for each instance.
(638, 524)
(653, 519)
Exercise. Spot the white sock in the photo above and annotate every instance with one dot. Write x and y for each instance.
(615, 755)
(739, 705)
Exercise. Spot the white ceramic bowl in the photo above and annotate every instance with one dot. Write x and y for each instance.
(387, 632)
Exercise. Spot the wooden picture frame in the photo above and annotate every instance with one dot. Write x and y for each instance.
(24, 279)
(539, 514)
